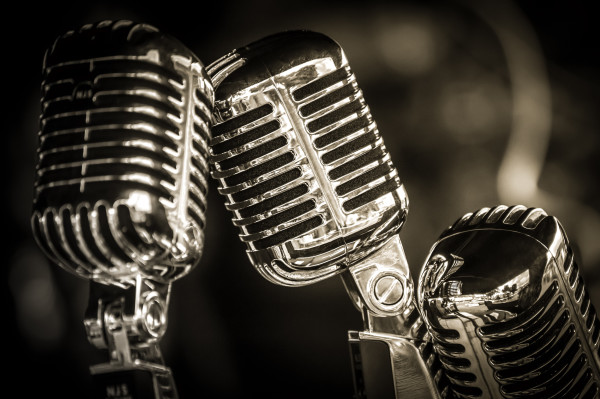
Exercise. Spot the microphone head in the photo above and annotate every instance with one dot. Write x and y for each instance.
(299, 159)
(507, 307)
(120, 185)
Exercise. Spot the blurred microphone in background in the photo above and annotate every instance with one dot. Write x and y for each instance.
(508, 310)
(311, 186)
(120, 187)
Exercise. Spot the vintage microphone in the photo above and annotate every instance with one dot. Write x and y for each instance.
(508, 310)
(313, 190)
(120, 187)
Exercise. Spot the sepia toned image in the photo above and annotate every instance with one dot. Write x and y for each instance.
(303, 200)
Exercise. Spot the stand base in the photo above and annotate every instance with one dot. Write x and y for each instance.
(136, 381)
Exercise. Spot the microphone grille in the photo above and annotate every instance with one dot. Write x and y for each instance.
(258, 163)
(516, 217)
(346, 138)
(298, 155)
(120, 184)
(510, 273)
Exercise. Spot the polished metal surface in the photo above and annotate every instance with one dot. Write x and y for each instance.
(381, 288)
(291, 120)
(381, 284)
(310, 185)
(129, 325)
(120, 186)
(394, 367)
(507, 308)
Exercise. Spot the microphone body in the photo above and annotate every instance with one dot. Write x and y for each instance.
(308, 180)
(120, 186)
(299, 159)
(507, 308)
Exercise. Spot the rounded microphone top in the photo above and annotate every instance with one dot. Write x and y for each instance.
(497, 254)
(299, 158)
(501, 293)
(120, 186)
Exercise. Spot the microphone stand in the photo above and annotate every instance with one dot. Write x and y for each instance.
(393, 356)
(129, 322)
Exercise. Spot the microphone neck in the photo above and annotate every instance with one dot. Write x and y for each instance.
(128, 322)
(393, 355)
(381, 288)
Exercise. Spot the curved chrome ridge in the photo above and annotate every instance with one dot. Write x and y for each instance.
(120, 186)
(299, 158)
(507, 307)
(310, 185)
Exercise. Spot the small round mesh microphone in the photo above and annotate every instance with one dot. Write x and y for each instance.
(314, 193)
(507, 308)
(120, 186)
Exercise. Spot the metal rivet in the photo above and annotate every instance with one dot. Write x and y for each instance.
(154, 316)
(388, 290)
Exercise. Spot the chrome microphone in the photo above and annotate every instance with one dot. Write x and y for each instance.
(120, 186)
(312, 188)
(508, 310)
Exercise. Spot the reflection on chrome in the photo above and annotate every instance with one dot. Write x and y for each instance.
(507, 308)
(300, 160)
(313, 191)
(120, 188)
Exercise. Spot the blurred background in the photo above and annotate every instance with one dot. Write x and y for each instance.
(479, 103)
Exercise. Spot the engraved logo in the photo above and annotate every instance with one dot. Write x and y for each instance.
(118, 391)
(82, 91)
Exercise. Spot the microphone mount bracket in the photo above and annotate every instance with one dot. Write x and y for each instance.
(380, 285)
(129, 323)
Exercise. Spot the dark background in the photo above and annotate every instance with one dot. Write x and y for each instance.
(479, 103)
